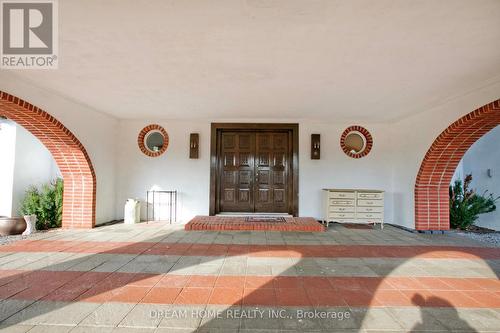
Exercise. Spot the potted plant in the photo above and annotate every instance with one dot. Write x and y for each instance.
(42, 207)
(466, 205)
(11, 225)
(29, 209)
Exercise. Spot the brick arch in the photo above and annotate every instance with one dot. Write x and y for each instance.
(441, 161)
(79, 197)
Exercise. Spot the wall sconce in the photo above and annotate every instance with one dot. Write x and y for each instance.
(194, 145)
(489, 173)
(315, 147)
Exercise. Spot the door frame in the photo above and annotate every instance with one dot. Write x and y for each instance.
(293, 129)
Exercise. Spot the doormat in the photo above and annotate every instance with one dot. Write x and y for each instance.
(267, 219)
(357, 226)
(278, 223)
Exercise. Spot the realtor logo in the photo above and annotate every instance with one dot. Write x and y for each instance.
(29, 34)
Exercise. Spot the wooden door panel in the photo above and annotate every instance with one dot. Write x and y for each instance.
(279, 178)
(244, 195)
(271, 168)
(279, 160)
(245, 159)
(263, 159)
(263, 196)
(246, 177)
(228, 141)
(279, 195)
(229, 195)
(229, 159)
(255, 172)
(237, 186)
(229, 179)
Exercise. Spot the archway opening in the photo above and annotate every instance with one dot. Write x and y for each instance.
(440, 162)
(79, 199)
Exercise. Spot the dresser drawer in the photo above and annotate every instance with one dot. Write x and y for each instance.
(376, 203)
(362, 195)
(342, 215)
(376, 216)
(342, 195)
(340, 202)
(370, 209)
(342, 209)
(345, 220)
(367, 221)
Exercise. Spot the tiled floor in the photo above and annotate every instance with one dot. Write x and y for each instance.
(157, 278)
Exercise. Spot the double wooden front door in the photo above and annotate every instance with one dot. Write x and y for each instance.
(253, 172)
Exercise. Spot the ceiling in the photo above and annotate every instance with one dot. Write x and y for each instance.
(372, 61)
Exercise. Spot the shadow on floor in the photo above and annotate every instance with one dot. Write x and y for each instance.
(428, 319)
(87, 285)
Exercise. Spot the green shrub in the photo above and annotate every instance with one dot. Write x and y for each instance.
(59, 187)
(30, 202)
(466, 205)
(45, 203)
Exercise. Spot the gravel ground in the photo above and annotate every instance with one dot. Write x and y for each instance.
(9, 239)
(488, 239)
(14, 238)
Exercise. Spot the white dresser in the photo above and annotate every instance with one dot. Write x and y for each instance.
(353, 206)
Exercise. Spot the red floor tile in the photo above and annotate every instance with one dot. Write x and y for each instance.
(404, 283)
(35, 292)
(237, 282)
(174, 281)
(316, 282)
(226, 296)
(357, 297)
(261, 282)
(161, 295)
(485, 298)
(12, 288)
(433, 283)
(343, 283)
(130, 294)
(325, 297)
(97, 296)
(207, 281)
(461, 284)
(292, 297)
(193, 296)
(391, 298)
(332, 251)
(440, 298)
(488, 284)
(145, 280)
(286, 282)
(65, 294)
(259, 297)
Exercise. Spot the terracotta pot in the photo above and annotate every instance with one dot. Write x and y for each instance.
(12, 226)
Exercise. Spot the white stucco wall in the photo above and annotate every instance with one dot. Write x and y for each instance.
(123, 171)
(95, 130)
(412, 137)
(7, 160)
(191, 177)
(34, 165)
(25, 162)
(484, 155)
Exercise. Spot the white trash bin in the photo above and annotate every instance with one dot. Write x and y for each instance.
(132, 211)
